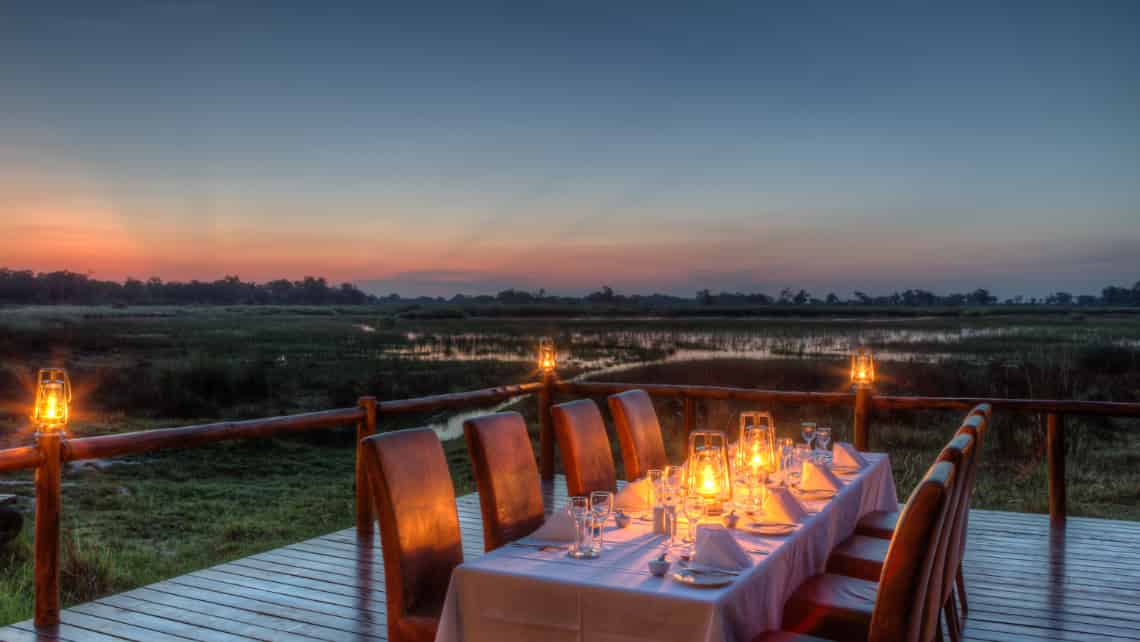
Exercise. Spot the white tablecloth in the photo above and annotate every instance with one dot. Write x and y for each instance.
(517, 593)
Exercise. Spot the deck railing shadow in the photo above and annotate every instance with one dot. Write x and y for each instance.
(52, 449)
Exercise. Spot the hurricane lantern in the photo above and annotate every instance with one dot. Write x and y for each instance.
(707, 469)
(756, 450)
(862, 368)
(547, 355)
(53, 395)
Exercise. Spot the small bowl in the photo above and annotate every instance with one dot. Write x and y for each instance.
(622, 520)
(658, 567)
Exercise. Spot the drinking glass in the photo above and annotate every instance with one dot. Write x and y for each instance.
(579, 509)
(822, 439)
(601, 504)
(787, 451)
(655, 476)
(807, 431)
(671, 487)
(694, 511)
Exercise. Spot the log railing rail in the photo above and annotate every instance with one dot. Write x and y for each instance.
(52, 450)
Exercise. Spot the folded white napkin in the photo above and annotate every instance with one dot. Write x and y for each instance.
(636, 497)
(844, 455)
(780, 507)
(717, 548)
(816, 477)
(558, 528)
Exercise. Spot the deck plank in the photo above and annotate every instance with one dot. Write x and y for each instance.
(1026, 582)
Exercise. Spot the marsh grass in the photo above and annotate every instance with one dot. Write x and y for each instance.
(172, 512)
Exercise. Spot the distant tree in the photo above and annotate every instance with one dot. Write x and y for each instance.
(981, 296)
(704, 297)
(801, 297)
(862, 298)
(513, 296)
(1059, 298)
(832, 299)
(605, 295)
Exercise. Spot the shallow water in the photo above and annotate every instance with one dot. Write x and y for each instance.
(592, 352)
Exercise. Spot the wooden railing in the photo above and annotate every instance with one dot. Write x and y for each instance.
(53, 449)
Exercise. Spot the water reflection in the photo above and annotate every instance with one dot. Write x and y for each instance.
(609, 351)
(604, 350)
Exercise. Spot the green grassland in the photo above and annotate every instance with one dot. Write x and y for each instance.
(149, 517)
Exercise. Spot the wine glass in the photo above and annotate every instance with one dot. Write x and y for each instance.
(579, 509)
(807, 431)
(694, 508)
(822, 439)
(655, 476)
(601, 504)
(787, 452)
(670, 487)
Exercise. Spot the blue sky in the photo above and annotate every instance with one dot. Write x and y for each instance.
(469, 147)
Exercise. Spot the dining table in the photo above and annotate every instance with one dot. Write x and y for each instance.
(533, 593)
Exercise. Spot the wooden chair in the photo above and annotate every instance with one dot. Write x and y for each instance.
(639, 433)
(976, 424)
(506, 474)
(881, 523)
(863, 557)
(897, 607)
(419, 528)
(584, 447)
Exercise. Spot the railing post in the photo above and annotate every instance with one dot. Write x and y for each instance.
(690, 419)
(364, 428)
(1055, 453)
(863, 417)
(546, 427)
(48, 503)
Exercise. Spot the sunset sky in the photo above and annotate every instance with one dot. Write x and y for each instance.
(833, 146)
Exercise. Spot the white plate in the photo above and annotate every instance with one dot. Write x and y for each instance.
(707, 580)
(770, 529)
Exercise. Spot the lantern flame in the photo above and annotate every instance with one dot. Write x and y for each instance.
(53, 394)
(862, 367)
(547, 356)
(708, 481)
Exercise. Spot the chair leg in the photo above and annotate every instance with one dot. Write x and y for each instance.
(938, 631)
(952, 620)
(962, 592)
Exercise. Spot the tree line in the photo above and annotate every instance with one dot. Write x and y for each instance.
(24, 286)
(64, 287)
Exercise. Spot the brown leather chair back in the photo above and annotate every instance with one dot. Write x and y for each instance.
(419, 525)
(584, 447)
(638, 432)
(908, 571)
(960, 452)
(510, 494)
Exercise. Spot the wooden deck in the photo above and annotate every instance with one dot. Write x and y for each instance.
(1024, 585)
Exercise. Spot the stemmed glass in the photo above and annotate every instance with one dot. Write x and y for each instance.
(670, 487)
(787, 451)
(655, 476)
(579, 508)
(694, 508)
(822, 439)
(807, 431)
(601, 504)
